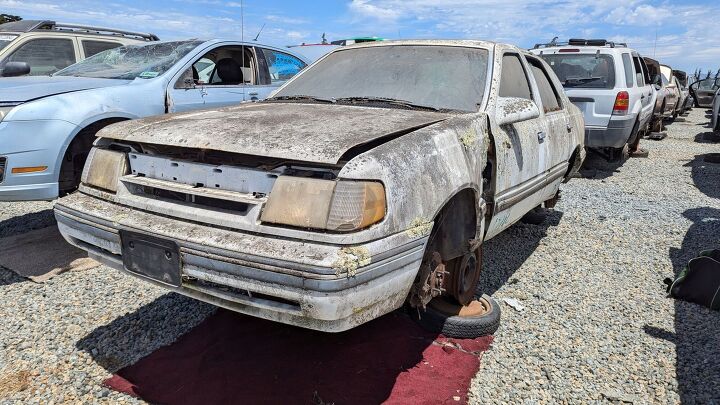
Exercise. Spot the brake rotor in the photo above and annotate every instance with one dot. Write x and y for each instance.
(462, 281)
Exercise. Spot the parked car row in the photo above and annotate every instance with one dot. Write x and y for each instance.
(622, 94)
(322, 194)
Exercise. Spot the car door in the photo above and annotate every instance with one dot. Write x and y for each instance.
(521, 152)
(704, 91)
(45, 55)
(218, 78)
(274, 69)
(558, 142)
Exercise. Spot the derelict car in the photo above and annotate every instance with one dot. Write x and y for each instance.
(367, 181)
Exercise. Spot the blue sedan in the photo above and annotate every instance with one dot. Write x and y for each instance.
(48, 124)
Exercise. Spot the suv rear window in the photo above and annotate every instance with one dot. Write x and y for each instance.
(589, 71)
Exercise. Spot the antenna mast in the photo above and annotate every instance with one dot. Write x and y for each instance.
(259, 32)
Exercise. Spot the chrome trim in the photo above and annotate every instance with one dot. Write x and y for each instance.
(514, 195)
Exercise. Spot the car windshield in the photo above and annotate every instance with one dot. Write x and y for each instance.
(583, 70)
(132, 61)
(437, 77)
(6, 39)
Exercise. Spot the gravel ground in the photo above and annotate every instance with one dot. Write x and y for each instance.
(596, 327)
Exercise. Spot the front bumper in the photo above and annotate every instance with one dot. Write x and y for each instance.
(615, 135)
(33, 144)
(289, 281)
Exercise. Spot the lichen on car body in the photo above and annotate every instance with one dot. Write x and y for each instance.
(350, 259)
(419, 227)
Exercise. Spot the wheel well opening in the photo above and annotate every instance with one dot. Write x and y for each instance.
(455, 226)
(77, 152)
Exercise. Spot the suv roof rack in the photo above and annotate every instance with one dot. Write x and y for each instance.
(38, 25)
(582, 42)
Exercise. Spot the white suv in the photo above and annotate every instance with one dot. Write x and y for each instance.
(610, 83)
(46, 46)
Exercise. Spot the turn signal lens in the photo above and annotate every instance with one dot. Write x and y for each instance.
(23, 170)
(356, 205)
(622, 103)
(104, 168)
(341, 206)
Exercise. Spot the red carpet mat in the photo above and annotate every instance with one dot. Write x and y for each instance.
(231, 358)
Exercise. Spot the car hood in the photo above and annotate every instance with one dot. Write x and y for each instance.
(319, 133)
(28, 88)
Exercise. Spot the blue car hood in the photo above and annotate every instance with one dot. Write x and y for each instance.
(22, 89)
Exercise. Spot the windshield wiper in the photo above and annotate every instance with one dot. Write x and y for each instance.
(581, 80)
(386, 100)
(292, 98)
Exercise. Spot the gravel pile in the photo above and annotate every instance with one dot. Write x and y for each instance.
(596, 325)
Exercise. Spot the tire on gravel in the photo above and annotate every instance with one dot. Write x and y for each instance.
(460, 327)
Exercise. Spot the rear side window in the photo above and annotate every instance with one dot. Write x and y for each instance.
(92, 47)
(513, 80)
(639, 73)
(548, 93)
(45, 56)
(628, 67)
(282, 67)
(589, 70)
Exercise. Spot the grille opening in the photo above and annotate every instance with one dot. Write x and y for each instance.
(208, 202)
(241, 293)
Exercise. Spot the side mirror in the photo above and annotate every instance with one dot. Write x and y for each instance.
(15, 69)
(513, 109)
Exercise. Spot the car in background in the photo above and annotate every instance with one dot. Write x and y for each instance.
(355, 188)
(685, 103)
(715, 118)
(672, 97)
(610, 83)
(64, 111)
(37, 47)
(356, 40)
(704, 91)
(661, 92)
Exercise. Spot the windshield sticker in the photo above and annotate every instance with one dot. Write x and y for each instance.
(7, 37)
(148, 75)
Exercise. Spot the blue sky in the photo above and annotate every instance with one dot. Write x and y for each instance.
(687, 34)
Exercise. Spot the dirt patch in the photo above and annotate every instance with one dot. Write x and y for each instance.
(42, 254)
(12, 382)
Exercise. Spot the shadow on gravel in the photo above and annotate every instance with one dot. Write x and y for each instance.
(696, 328)
(708, 137)
(705, 175)
(233, 358)
(8, 277)
(504, 254)
(25, 223)
(597, 167)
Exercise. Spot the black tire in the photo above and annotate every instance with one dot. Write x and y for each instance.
(460, 327)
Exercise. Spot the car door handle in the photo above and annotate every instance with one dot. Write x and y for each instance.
(253, 94)
(541, 136)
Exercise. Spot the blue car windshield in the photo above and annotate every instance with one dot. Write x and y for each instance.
(130, 62)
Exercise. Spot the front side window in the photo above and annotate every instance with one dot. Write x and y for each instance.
(282, 66)
(439, 77)
(639, 73)
(131, 62)
(46, 55)
(549, 95)
(589, 70)
(93, 47)
(513, 80)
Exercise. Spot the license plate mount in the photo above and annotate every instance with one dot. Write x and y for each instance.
(155, 258)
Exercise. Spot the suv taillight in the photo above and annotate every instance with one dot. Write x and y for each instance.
(622, 103)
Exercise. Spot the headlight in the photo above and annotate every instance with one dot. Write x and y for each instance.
(104, 168)
(4, 111)
(341, 206)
